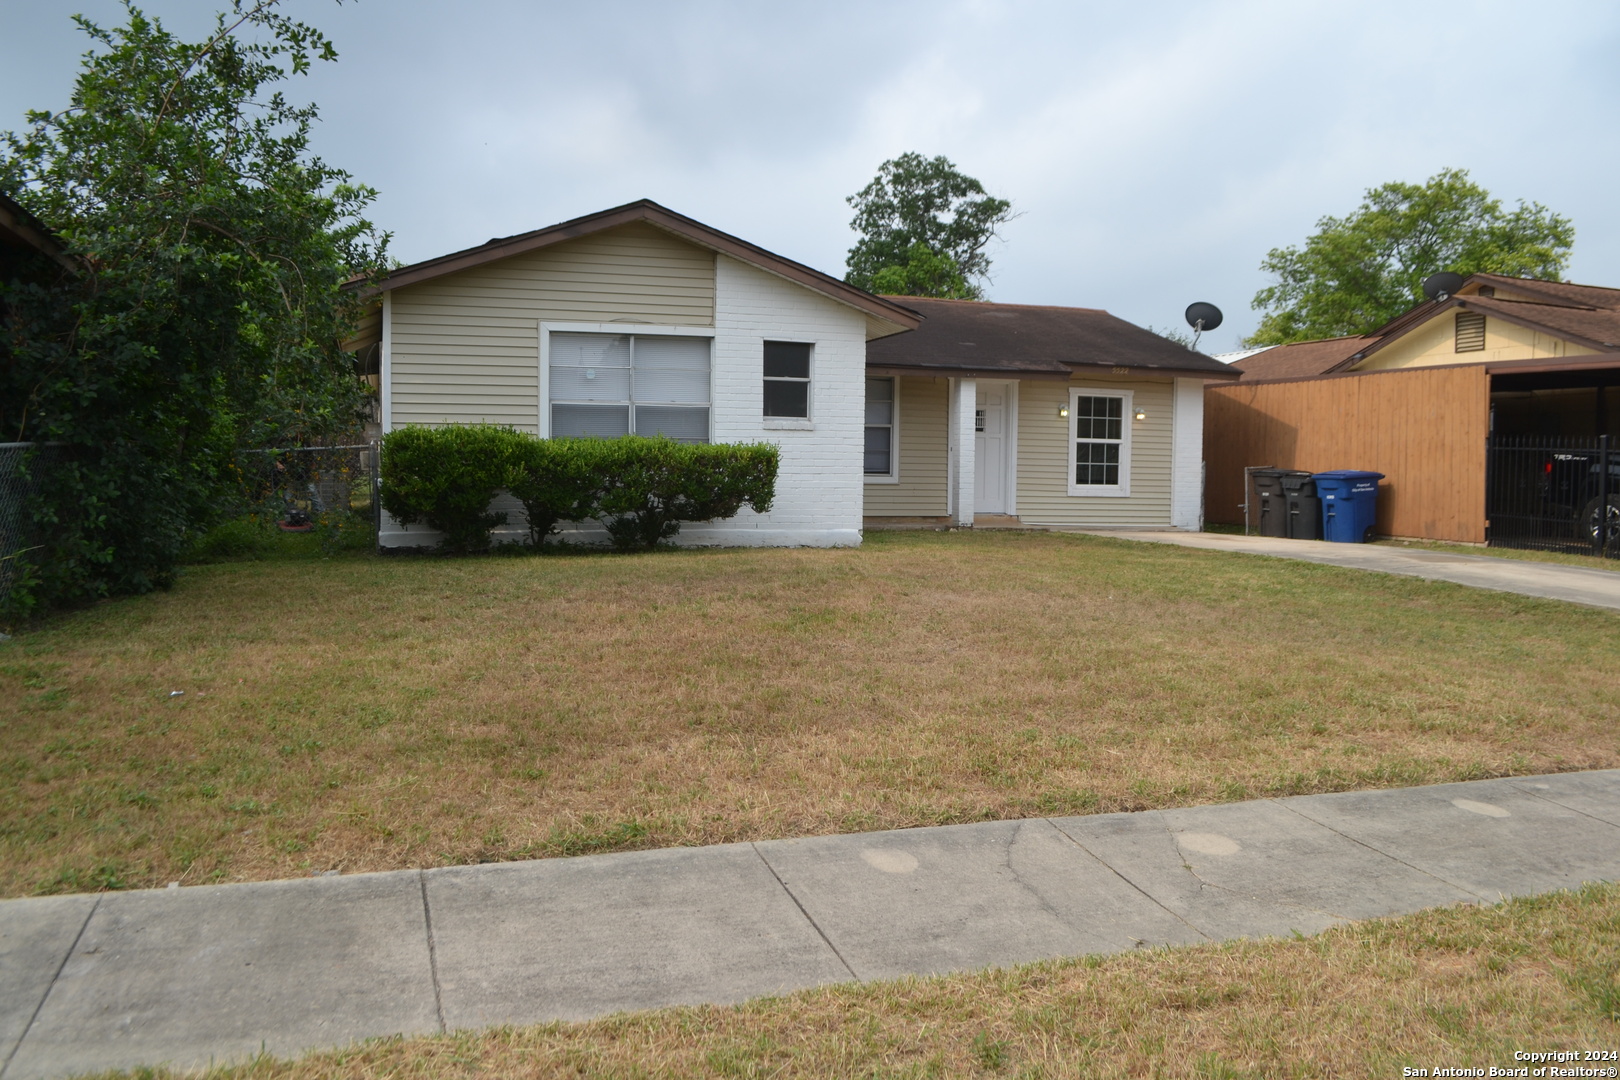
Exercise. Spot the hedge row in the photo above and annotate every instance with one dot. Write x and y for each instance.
(640, 489)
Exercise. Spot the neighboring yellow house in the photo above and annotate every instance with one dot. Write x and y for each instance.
(1486, 411)
(1550, 348)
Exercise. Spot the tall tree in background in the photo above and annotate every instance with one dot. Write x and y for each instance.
(210, 309)
(924, 226)
(1357, 272)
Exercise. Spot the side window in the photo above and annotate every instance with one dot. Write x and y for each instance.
(879, 455)
(787, 379)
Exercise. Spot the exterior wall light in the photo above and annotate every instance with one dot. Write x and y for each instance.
(1141, 414)
(1063, 410)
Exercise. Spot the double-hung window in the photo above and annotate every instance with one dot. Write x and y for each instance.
(787, 380)
(880, 455)
(607, 385)
(1099, 442)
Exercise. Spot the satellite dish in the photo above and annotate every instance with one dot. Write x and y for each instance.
(1441, 285)
(1201, 317)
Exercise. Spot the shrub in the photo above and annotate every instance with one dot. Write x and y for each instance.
(655, 484)
(245, 537)
(558, 480)
(447, 476)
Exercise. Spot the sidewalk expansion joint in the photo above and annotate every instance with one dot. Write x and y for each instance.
(807, 918)
(1376, 851)
(1154, 900)
(433, 952)
(1561, 805)
(5, 1065)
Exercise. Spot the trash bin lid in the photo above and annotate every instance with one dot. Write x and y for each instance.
(1348, 474)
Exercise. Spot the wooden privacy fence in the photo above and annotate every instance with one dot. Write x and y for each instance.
(1423, 428)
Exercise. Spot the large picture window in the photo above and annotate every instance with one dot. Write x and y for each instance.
(880, 448)
(607, 385)
(1099, 442)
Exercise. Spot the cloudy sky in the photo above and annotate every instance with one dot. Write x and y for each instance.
(1155, 151)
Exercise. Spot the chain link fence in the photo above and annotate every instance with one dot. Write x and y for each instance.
(299, 485)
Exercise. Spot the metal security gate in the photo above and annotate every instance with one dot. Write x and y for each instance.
(1553, 494)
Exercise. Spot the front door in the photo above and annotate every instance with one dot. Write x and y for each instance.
(990, 451)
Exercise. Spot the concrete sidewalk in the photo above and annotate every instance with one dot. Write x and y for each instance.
(1554, 581)
(212, 973)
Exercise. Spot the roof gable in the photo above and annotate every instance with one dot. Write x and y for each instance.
(890, 318)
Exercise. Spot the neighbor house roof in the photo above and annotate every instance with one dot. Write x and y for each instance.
(895, 317)
(1301, 360)
(1588, 315)
(980, 339)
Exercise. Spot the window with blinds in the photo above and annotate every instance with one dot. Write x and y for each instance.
(879, 451)
(607, 385)
(1470, 331)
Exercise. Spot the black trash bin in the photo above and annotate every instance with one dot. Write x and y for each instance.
(1303, 507)
(1276, 488)
(1272, 514)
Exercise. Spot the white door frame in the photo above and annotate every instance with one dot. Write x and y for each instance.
(1009, 445)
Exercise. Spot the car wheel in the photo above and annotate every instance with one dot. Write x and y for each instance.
(1596, 523)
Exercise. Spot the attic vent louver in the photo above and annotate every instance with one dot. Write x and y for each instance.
(1470, 331)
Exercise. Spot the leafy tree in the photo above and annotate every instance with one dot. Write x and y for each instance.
(926, 273)
(928, 201)
(1356, 273)
(210, 308)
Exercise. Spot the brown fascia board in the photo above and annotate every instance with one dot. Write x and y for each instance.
(920, 372)
(1076, 368)
(1553, 363)
(668, 220)
(28, 231)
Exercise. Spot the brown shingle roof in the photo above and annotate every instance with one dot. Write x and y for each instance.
(973, 337)
(1301, 360)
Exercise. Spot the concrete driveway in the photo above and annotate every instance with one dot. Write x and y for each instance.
(1594, 586)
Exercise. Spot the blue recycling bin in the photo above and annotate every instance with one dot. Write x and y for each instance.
(1349, 504)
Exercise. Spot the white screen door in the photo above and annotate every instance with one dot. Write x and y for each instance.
(990, 452)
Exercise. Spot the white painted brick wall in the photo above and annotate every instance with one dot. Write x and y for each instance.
(819, 491)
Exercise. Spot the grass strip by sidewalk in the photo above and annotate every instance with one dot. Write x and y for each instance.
(362, 713)
(1460, 987)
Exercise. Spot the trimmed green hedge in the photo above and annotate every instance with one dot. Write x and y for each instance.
(641, 489)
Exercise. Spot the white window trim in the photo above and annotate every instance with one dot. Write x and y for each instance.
(790, 423)
(1123, 488)
(648, 329)
(893, 475)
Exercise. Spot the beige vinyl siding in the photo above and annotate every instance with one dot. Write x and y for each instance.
(466, 347)
(1043, 457)
(923, 490)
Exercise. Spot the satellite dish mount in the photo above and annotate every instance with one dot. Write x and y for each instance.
(1201, 317)
(1442, 285)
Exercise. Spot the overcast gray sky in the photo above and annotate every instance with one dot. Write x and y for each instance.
(1156, 151)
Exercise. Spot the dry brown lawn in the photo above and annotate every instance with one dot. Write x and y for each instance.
(366, 713)
(1458, 988)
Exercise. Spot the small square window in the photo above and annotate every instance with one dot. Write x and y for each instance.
(787, 379)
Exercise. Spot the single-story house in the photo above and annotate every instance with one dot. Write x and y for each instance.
(1500, 365)
(1047, 416)
(638, 319)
